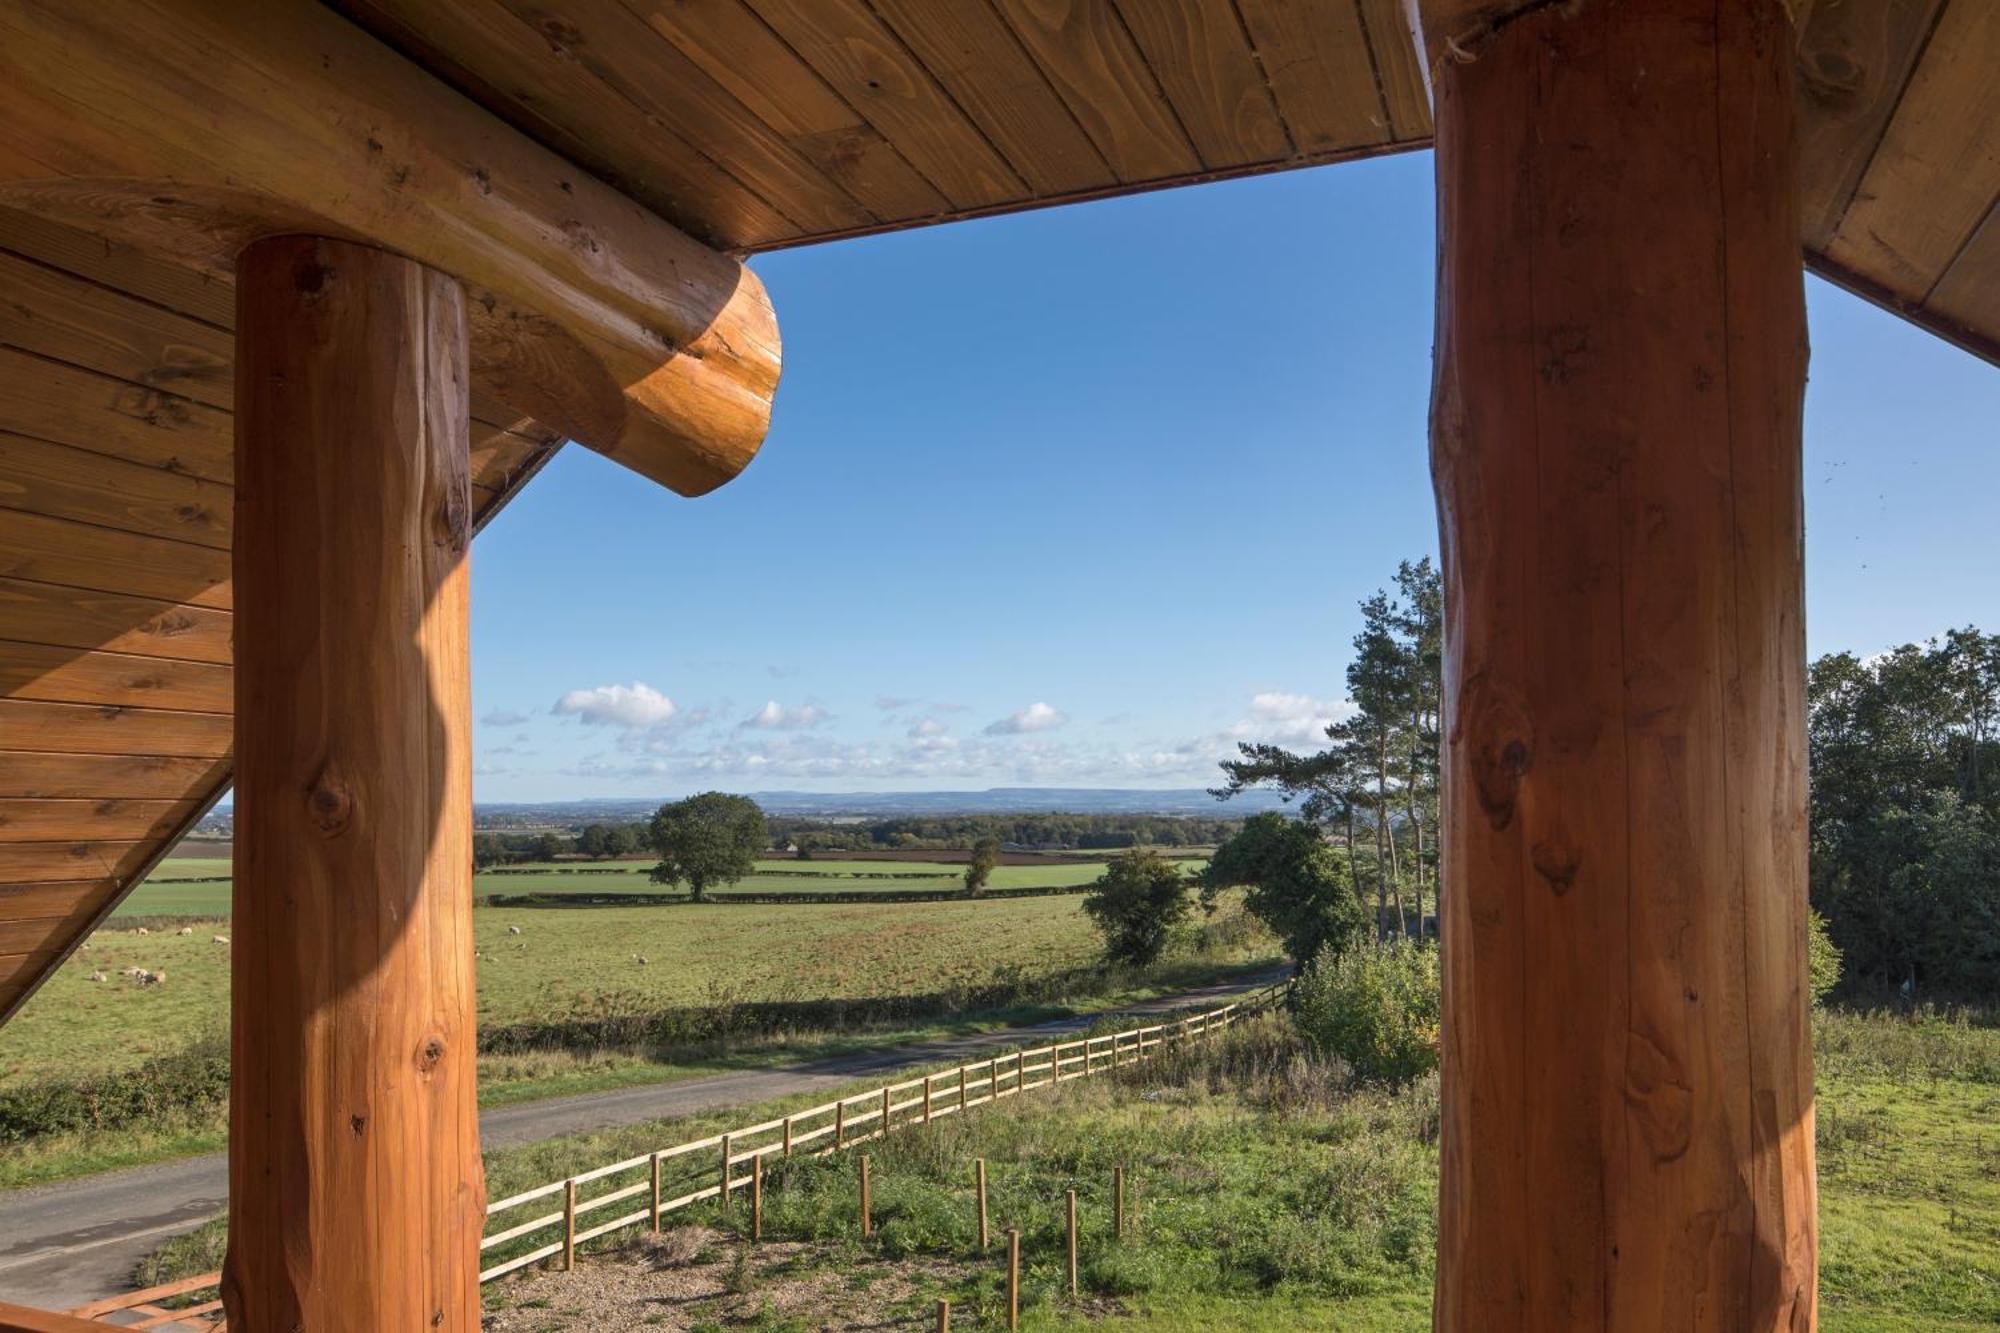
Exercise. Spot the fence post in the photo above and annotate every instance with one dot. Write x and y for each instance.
(979, 1185)
(944, 1317)
(961, 1091)
(1118, 1201)
(656, 1194)
(788, 1136)
(927, 1099)
(885, 1110)
(757, 1197)
(1070, 1204)
(993, 1079)
(726, 1181)
(840, 1124)
(867, 1223)
(569, 1225)
(1086, 1055)
(1013, 1278)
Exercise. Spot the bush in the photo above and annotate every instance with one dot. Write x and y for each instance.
(1375, 1006)
(190, 1080)
(1822, 957)
(1140, 900)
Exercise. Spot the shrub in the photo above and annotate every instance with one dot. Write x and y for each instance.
(1377, 1007)
(1137, 904)
(1822, 957)
(1296, 885)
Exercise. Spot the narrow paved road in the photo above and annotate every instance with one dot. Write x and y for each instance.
(62, 1245)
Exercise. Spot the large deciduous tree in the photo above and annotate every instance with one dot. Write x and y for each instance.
(707, 840)
(1297, 886)
(1136, 904)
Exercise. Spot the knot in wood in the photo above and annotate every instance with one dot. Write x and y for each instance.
(330, 803)
(430, 1053)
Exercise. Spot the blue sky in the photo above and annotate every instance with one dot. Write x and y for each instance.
(1080, 497)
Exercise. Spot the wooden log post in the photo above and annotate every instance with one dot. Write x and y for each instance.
(979, 1189)
(356, 1195)
(867, 1210)
(1013, 1278)
(757, 1197)
(1628, 1117)
(1069, 1230)
(728, 1183)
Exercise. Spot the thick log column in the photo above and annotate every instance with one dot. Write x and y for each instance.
(1628, 1132)
(356, 1195)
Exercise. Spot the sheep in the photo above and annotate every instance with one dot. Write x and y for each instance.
(154, 978)
(144, 931)
(513, 930)
(639, 958)
(185, 930)
(218, 939)
(134, 972)
(97, 976)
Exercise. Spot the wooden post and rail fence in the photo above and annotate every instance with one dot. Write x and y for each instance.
(667, 1180)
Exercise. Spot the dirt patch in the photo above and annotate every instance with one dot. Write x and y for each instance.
(695, 1278)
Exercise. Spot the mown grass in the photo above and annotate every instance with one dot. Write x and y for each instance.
(1266, 1195)
(172, 890)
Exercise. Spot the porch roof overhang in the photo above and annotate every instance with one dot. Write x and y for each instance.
(744, 125)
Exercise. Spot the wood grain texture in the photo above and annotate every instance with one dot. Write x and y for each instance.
(1086, 52)
(1316, 56)
(72, 820)
(591, 313)
(66, 404)
(1399, 69)
(356, 1191)
(48, 774)
(59, 481)
(874, 72)
(1627, 1104)
(38, 862)
(1936, 173)
(82, 555)
(980, 62)
(85, 729)
(74, 618)
(1206, 68)
(64, 675)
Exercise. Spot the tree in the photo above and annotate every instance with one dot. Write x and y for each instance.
(1136, 904)
(595, 841)
(979, 869)
(1297, 886)
(549, 846)
(488, 849)
(706, 840)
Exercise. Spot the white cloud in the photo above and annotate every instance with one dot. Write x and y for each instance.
(1035, 717)
(504, 717)
(774, 716)
(635, 706)
(926, 728)
(1279, 718)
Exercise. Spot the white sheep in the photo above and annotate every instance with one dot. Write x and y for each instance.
(218, 939)
(134, 972)
(154, 978)
(513, 930)
(97, 976)
(144, 931)
(639, 958)
(185, 930)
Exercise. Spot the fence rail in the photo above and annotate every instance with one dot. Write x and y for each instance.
(669, 1179)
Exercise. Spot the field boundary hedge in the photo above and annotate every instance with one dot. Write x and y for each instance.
(769, 896)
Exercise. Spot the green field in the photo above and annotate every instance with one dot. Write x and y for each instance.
(168, 892)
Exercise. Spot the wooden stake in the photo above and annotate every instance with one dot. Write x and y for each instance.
(1013, 1278)
(944, 1317)
(656, 1194)
(1118, 1201)
(885, 1112)
(979, 1186)
(788, 1136)
(961, 1088)
(727, 1183)
(569, 1225)
(867, 1219)
(840, 1124)
(993, 1079)
(757, 1197)
(356, 1197)
(927, 1099)
(1627, 1117)
(1070, 1208)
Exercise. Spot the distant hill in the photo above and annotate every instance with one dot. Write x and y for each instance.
(879, 804)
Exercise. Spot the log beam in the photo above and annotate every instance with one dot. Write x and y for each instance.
(1628, 1117)
(356, 1195)
(193, 128)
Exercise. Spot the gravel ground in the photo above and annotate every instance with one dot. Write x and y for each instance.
(695, 1278)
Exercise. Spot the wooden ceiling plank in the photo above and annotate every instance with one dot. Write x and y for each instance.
(740, 53)
(48, 775)
(90, 820)
(65, 675)
(37, 477)
(1398, 68)
(81, 555)
(114, 264)
(46, 898)
(1315, 53)
(60, 316)
(1087, 54)
(49, 936)
(112, 622)
(95, 729)
(41, 862)
(105, 415)
(1854, 60)
(1968, 295)
(980, 62)
(616, 86)
(1204, 64)
(1934, 178)
(869, 66)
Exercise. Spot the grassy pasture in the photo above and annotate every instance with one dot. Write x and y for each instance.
(169, 890)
